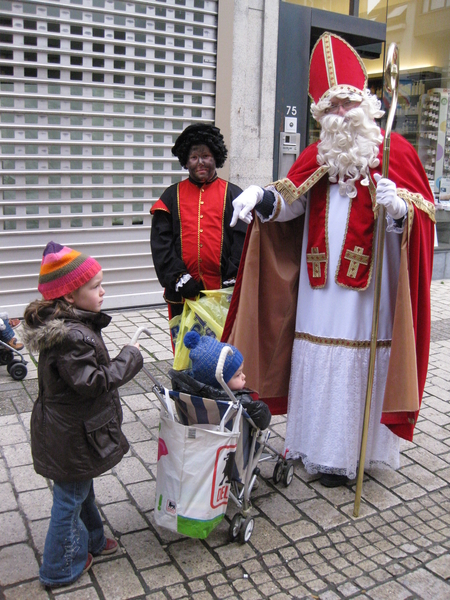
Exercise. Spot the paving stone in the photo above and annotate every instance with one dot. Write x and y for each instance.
(322, 513)
(147, 451)
(36, 504)
(409, 491)
(108, 489)
(329, 595)
(87, 593)
(25, 478)
(424, 478)
(12, 528)
(300, 592)
(3, 472)
(131, 470)
(266, 537)
(124, 517)
(426, 584)
(348, 589)
(143, 494)
(297, 491)
(279, 510)
(365, 510)
(144, 549)
(17, 563)
(7, 498)
(137, 402)
(117, 580)
(193, 558)
(234, 553)
(440, 566)
(18, 454)
(34, 590)
(379, 496)
(426, 459)
(389, 591)
(430, 443)
(300, 530)
(136, 432)
(161, 577)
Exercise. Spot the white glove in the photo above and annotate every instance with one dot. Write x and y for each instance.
(387, 196)
(245, 203)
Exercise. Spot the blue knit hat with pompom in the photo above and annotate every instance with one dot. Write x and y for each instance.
(204, 354)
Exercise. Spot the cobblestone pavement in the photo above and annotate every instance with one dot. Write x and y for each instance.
(306, 543)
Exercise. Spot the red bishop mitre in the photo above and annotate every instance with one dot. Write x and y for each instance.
(335, 66)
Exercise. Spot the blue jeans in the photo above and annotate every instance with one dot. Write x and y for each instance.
(6, 331)
(75, 529)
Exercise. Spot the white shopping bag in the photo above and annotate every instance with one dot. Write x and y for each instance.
(195, 463)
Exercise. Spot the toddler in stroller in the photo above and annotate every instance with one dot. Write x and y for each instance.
(201, 381)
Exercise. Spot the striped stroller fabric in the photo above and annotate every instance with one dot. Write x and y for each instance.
(193, 410)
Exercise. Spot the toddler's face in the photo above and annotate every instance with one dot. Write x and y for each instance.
(237, 382)
(90, 295)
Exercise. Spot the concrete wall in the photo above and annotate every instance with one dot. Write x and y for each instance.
(247, 117)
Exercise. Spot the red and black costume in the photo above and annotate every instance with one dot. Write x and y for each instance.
(191, 234)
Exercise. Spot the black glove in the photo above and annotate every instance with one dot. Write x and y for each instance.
(190, 289)
(258, 411)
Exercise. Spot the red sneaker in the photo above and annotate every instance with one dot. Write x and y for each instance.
(88, 565)
(111, 547)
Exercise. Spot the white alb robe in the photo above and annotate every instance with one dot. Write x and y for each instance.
(328, 382)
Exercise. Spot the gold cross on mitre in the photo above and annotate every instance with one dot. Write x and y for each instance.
(316, 258)
(356, 258)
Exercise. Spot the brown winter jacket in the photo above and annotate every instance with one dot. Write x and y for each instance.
(76, 420)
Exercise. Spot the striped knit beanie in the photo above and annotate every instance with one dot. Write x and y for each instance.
(204, 354)
(64, 270)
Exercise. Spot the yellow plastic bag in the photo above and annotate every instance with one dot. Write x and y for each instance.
(206, 316)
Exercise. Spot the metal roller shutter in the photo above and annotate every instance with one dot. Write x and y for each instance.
(93, 95)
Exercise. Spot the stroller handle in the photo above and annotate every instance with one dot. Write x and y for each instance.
(138, 332)
(219, 371)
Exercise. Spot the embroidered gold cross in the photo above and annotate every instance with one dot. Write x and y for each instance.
(316, 258)
(356, 258)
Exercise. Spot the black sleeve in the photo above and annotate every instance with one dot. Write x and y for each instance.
(168, 265)
(265, 207)
(237, 234)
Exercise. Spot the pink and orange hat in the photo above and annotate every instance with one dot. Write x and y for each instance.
(64, 270)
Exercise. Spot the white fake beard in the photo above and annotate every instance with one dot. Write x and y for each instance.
(349, 147)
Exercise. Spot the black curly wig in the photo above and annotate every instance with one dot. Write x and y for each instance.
(197, 134)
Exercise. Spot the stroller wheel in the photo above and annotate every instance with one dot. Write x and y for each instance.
(278, 471)
(288, 474)
(17, 370)
(235, 526)
(11, 363)
(246, 530)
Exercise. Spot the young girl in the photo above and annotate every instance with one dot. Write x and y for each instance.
(76, 420)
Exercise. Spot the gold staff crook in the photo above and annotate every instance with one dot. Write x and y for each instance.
(391, 73)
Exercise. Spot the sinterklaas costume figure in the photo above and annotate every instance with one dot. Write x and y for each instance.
(302, 309)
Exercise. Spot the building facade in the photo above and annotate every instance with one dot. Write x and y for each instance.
(95, 92)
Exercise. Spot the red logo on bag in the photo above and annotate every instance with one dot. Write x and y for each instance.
(162, 449)
(223, 471)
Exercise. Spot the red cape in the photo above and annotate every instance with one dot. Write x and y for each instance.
(261, 319)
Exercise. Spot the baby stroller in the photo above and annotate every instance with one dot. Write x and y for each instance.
(16, 367)
(235, 470)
